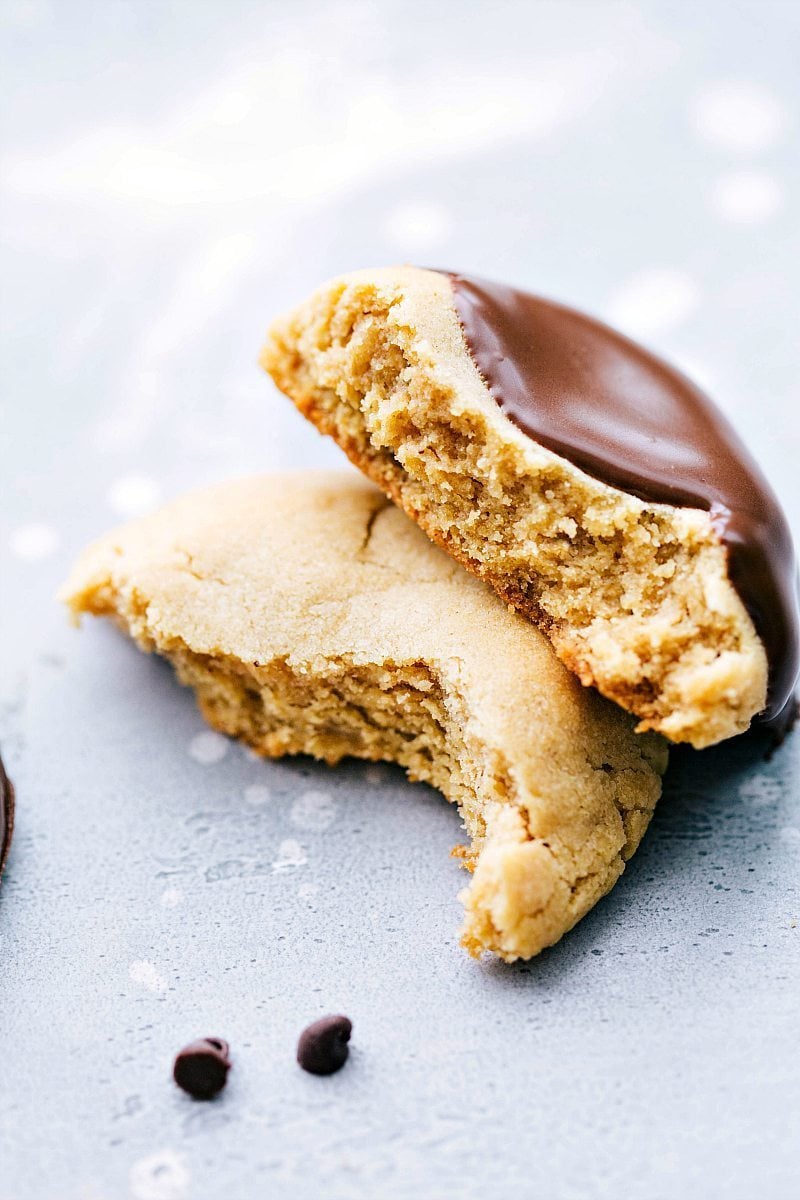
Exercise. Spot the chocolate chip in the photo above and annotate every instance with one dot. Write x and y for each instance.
(201, 1068)
(6, 814)
(322, 1048)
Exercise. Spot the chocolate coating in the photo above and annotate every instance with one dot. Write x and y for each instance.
(628, 419)
(323, 1046)
(201, 1068)
(6, 815)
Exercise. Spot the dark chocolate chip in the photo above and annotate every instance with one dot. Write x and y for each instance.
(6, 814)
(322, 1048)
(201, 1068)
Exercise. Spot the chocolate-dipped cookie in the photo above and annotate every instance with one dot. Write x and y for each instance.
(594, 487)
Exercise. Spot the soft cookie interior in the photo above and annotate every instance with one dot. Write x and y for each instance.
(635, 597)
(312, 616)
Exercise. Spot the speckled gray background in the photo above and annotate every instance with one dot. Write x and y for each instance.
(173, 175)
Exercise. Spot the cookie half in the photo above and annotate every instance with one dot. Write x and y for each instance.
(592, 486)
(311, 616)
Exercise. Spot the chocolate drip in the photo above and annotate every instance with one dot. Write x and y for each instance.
(626, 418)
(6, 814)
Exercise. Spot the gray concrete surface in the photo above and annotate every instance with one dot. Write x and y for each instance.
(173, 175)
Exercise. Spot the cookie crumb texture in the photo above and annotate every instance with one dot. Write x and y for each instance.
(635, 597)
(311, 616)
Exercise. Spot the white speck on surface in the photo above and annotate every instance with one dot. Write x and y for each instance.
(132, 495)
(144, 973)
(790, 836)
(171, 898)
(161, 1176)
(307, 891)
(760, 790)
(208, 747)
(34, 542)
(739, 116)
(257, 794)
(653, 302)
(313, 810)
(414, 228)
(747, 198)
(290, 856)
